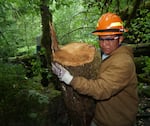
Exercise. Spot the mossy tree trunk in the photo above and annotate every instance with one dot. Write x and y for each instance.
(80, 59)
(46, 17)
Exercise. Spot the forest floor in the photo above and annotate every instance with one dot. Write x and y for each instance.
(143, 116)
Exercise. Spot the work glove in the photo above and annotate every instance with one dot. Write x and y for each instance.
(63, 74)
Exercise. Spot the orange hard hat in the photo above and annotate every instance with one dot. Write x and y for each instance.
(109, 24)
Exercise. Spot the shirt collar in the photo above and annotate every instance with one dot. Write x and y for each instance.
(104, 56)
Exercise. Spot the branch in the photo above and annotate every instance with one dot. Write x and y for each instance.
(54, 44)
(133, 13)
(74, 31)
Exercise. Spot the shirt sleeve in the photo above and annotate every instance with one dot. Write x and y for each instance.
(115, 78)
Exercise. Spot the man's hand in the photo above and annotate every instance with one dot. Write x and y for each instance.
(62, 73)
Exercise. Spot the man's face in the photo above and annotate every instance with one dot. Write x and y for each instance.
(109, 43)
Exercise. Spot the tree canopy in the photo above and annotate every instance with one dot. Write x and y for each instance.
(74, 20)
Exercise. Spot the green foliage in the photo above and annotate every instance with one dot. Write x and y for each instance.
(55, 5)
(139, 32)
(74, 20)
(80, 18)
(22, 100)
(25, 100)
(144, 77)
(77, 23)
(36, 66)
(147, 67)
(19, 27)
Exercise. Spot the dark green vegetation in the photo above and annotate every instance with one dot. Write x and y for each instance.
(29, 93)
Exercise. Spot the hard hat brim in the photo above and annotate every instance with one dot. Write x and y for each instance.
(109, 31)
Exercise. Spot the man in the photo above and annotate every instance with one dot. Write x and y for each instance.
(116, 87)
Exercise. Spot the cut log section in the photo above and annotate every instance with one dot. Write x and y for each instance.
(80, 59)
(75, 54)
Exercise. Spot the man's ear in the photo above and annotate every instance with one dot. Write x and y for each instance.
(121, 38)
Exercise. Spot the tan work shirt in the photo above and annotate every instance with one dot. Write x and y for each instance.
(115, 89)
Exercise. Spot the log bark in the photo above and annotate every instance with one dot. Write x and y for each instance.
(80, 59)
(141, 50)
(46, 16)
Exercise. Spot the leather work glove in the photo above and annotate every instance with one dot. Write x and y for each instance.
(63, 74)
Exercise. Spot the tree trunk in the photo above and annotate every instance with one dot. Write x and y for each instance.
(141, 50)
(46, 40)
(134, 10)
(80, 59)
